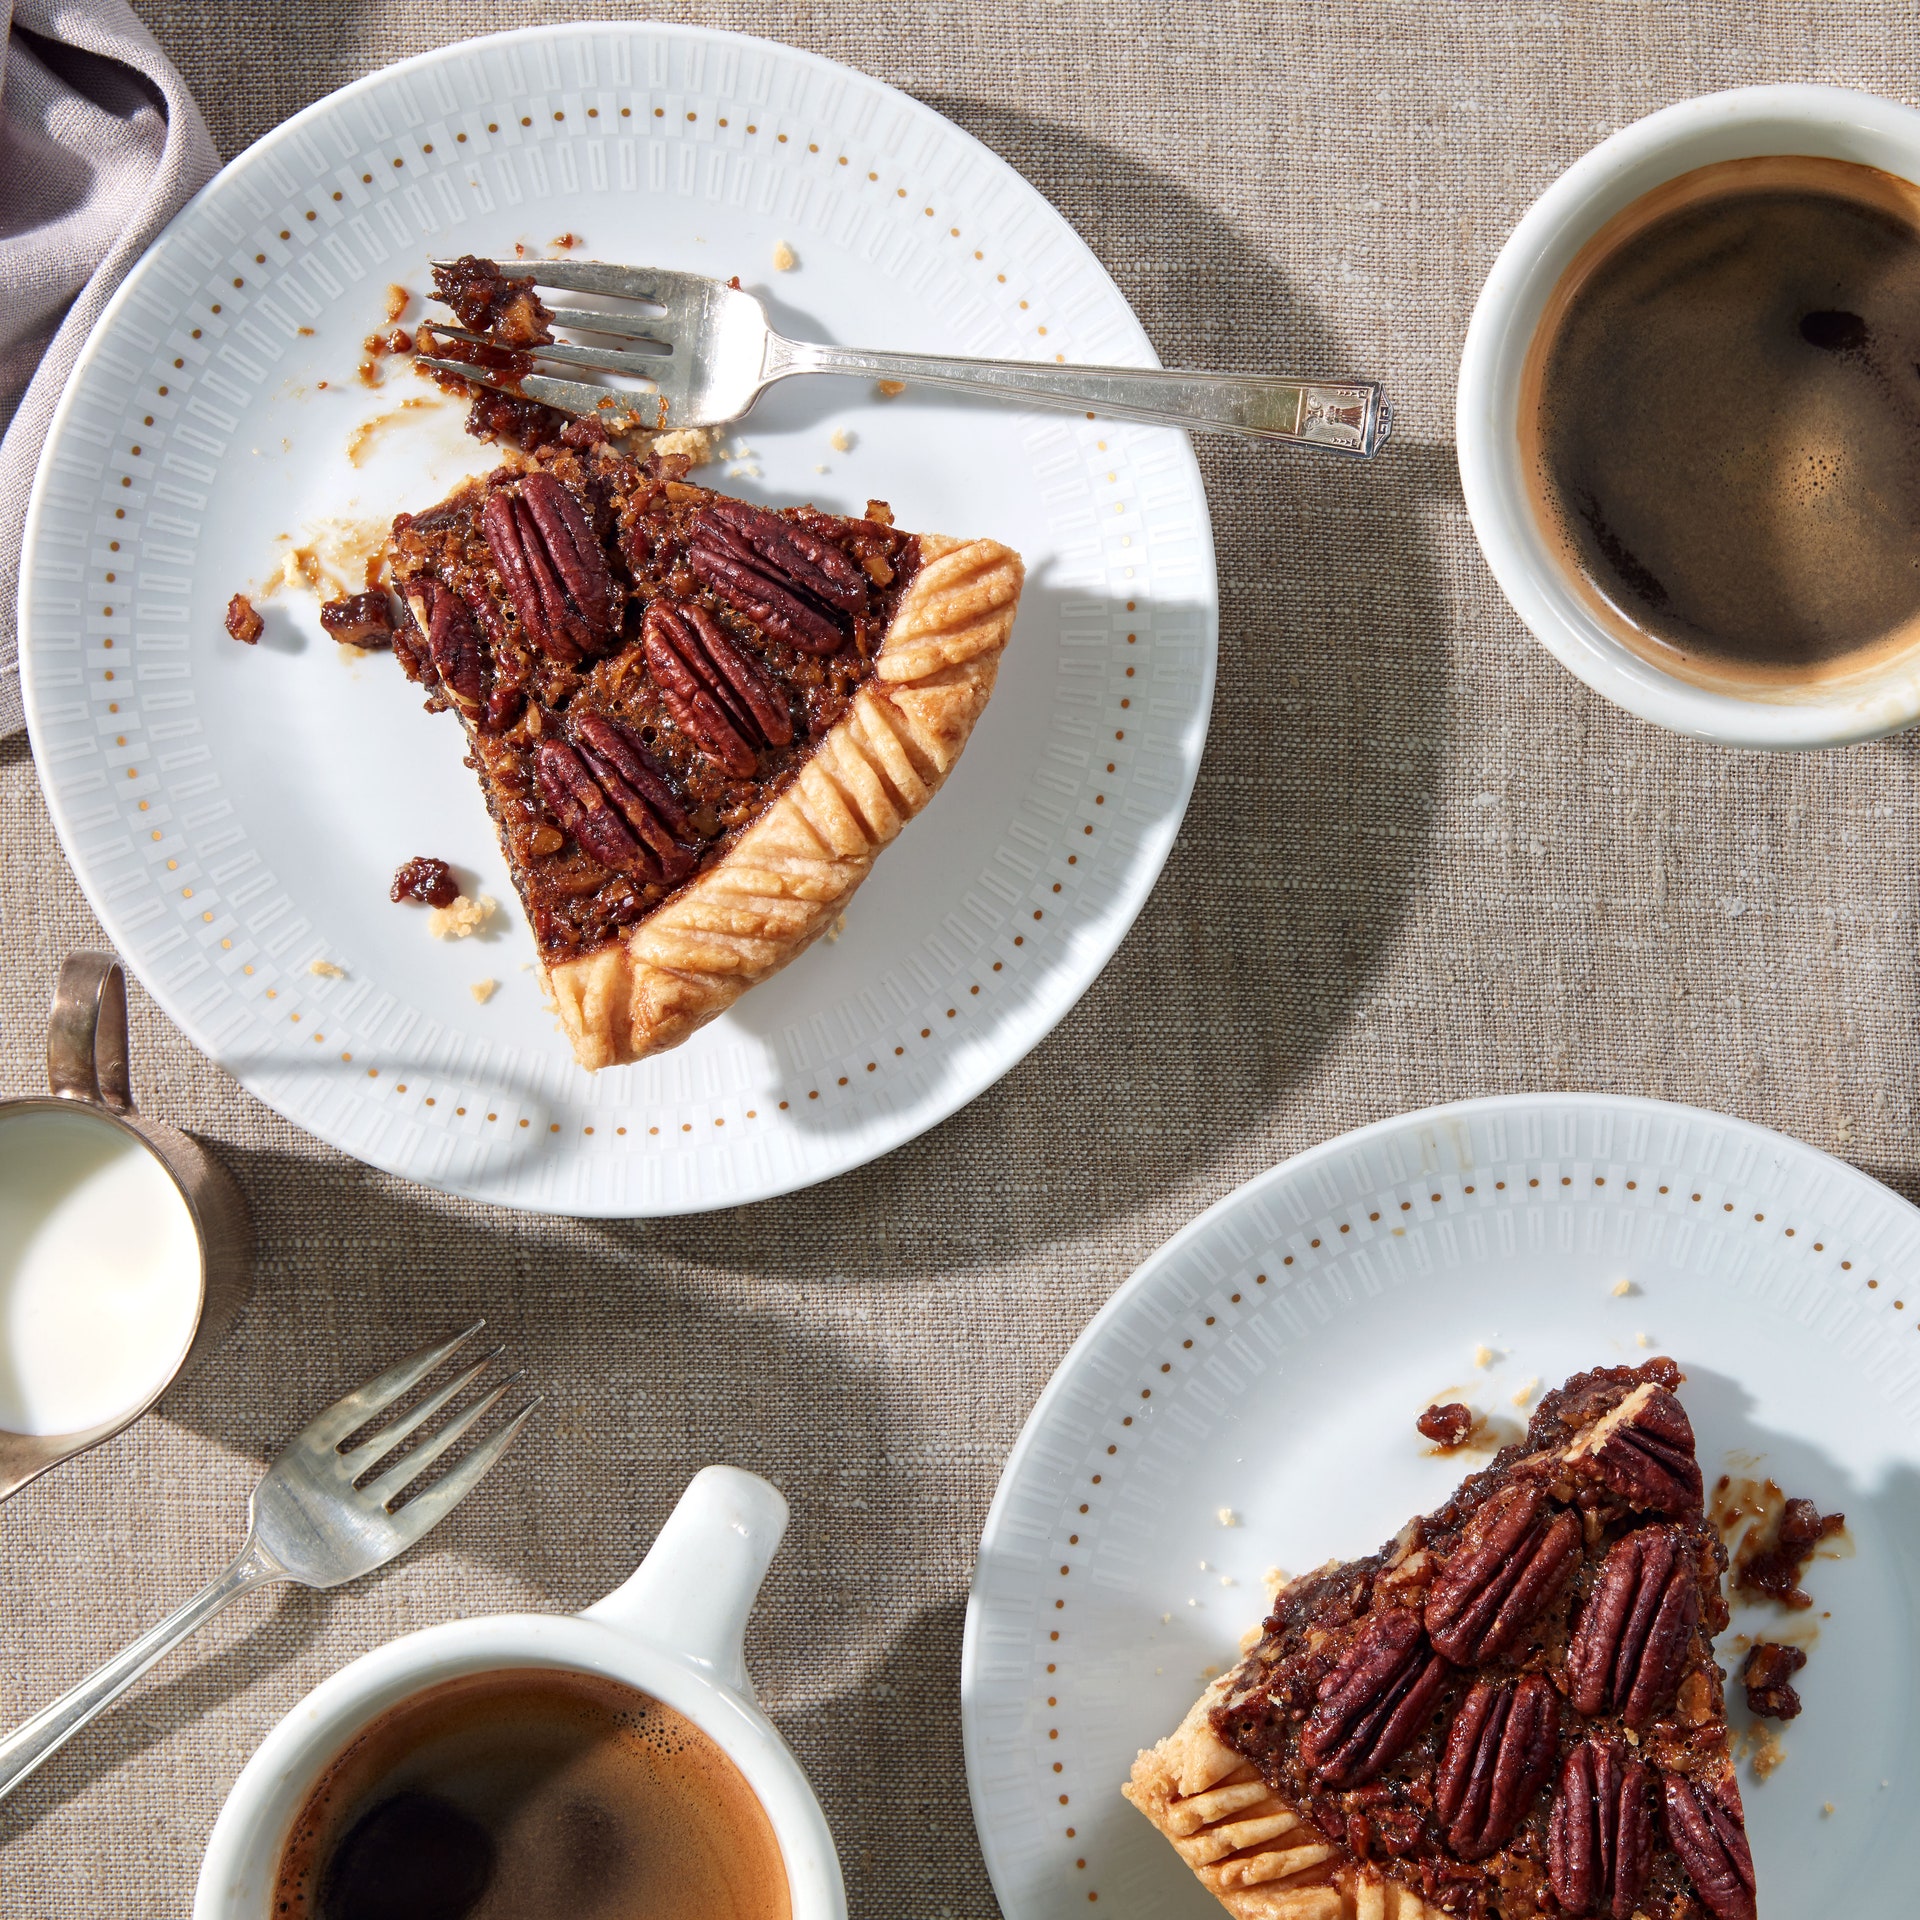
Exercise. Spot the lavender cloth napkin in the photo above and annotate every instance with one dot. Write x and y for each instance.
(100, 145)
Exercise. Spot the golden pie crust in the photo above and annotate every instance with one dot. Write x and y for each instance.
(1246, 1846)
(790, 875)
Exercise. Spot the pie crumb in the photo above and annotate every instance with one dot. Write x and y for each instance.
(326, 970)
(819, 466)
(1826, 1810)
(1641, 1340)
(1483, 1355)
(1525, 1393)
(1227, 1517)
(695, 442)
(1763, 1749)
(482, 990)
(837, 929)
(460, 918)
(1274, 1579)
(840, 440)
(784, 257)
(1621, 1288)
(889, 389)
(397, 302)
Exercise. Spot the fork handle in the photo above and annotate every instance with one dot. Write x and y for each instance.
(1336, 416)
(53, 1726)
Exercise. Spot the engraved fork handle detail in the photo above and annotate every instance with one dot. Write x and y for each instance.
(1350, 416)
(53, 1726)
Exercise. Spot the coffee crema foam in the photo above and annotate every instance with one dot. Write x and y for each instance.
(535, 1793)
(1720, 424)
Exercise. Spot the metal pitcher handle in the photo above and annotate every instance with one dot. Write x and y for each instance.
(87, 1033)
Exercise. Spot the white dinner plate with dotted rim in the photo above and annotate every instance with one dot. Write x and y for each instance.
(1270, 1361)
(235, 814)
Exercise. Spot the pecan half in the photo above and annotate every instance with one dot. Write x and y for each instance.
(1499, 1752)
(1373, 1703)
(1633, 1635)
(1600, 1833)
(720, 698)
(581, 804)
(1512, 1559)
(752, 560)
(1708, 1828)
(794, 553)
(455, 649)
(552, 567)
(1643, 1452)
(627, 774)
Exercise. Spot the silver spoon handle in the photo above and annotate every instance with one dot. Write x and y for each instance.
(1336, 416)
(53, 1726)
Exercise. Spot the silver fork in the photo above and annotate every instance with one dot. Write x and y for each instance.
(711, 354)
(309, 1522)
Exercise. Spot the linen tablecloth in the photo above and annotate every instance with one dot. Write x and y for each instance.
(1422, 863)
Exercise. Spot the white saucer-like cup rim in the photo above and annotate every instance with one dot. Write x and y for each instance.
(1743, 123)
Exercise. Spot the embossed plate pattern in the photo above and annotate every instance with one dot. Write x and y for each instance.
(1268, 1364)
(235, 813)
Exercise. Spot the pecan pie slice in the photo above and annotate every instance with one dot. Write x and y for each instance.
(1511, 1709)
(696, 722)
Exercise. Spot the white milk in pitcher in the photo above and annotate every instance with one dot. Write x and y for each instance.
(99, 1272)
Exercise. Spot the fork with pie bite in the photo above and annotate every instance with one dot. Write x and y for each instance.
(706, 352)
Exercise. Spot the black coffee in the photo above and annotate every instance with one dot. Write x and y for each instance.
(532, 1794)
(1721, 416)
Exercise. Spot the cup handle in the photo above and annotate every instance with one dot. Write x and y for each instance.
(87, 1033)
(693, 1592)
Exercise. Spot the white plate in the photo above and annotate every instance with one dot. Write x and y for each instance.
(1271, 1359)
(235, 814)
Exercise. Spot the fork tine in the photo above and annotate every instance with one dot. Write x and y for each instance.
(615, 409)
(605, 320)
(608, 359)
(354, 1410)
(389, 1437)
(653, 284)
(439, 1500)
(404, 1472)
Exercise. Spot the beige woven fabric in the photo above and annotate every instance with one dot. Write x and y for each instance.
(1422, 862)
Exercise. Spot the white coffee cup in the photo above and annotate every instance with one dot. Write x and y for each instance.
(1751, 122)
(674, 1631)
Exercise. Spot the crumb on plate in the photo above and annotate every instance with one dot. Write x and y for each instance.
(482, 990)
(694, 442)
(460, 917)
(889, 389)
(326, 970)
(1621, 1288)
(1525, 1392)
(1483, 1355)
(1227, 1517)
(784, 257)
(840, 440)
